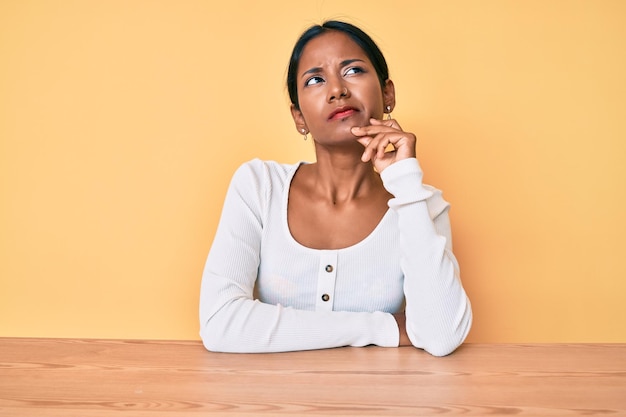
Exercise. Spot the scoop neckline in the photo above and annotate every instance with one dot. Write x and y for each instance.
(285, 222)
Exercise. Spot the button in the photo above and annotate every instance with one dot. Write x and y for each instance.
(329, 268)
(325, 297)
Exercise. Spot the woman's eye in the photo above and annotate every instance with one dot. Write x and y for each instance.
(353, 70)
(314, 80)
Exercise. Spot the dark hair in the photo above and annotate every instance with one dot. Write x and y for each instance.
(357, 35)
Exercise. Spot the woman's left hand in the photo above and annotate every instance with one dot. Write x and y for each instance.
(378, 136)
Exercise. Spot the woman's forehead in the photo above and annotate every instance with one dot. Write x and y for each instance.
(332, 44)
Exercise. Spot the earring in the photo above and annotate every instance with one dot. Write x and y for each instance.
(388, 109)
(304, 133)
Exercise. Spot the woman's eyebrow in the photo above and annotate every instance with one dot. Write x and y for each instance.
(351, 61)
(314, 70)
(317, 70)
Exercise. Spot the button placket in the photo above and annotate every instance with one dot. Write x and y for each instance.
(326, 278)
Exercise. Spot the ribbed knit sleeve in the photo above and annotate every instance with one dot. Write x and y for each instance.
(231, 320)
(438, 312)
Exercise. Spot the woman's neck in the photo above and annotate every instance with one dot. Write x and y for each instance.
(341, 178)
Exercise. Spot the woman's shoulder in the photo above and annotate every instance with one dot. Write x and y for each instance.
(260, 171)
(257, 164)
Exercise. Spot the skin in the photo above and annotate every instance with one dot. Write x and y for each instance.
(341, 103)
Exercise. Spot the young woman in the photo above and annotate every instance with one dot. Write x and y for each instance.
(351, 250)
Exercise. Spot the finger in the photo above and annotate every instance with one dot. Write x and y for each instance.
(389, 138)
(365, 141)
(382, 147)
(375, 147)
(372, 130)
(393, 123)
(388, 145)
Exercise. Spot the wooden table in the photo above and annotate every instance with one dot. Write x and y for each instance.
(73, 377)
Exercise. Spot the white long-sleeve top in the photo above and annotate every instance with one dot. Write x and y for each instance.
(262, 291)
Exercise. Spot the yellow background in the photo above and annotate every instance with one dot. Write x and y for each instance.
(121, 123)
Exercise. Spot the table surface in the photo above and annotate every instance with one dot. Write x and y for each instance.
(78, 377)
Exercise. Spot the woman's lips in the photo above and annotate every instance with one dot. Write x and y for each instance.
(342, 113)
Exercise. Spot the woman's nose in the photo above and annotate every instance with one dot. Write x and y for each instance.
(337, 91)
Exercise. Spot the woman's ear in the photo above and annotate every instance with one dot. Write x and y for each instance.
(298, 119)
(389, 95)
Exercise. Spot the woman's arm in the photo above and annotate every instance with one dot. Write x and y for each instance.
(438, 311)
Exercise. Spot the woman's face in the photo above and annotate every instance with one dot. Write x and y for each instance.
(338, 88)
